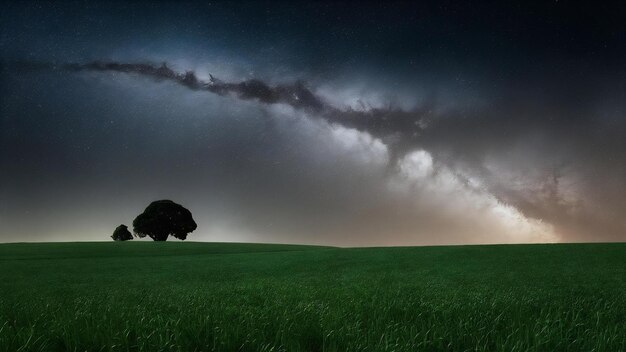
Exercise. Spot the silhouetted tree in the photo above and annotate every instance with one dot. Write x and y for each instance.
(163, 218)
(121, 233)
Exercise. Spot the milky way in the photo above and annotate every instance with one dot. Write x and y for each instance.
(492, 131)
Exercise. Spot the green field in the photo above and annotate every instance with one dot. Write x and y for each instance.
(148, 296)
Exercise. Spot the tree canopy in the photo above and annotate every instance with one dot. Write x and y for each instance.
(121, 233)
(163, 218)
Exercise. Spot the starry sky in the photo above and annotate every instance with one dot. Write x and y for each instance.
(348, 123)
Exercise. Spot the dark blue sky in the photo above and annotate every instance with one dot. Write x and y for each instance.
(443, 122)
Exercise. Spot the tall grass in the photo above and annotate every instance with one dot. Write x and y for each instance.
(229, 297)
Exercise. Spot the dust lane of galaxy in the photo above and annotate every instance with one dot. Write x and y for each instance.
(406, 124)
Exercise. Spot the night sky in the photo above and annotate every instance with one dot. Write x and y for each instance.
(346, 124)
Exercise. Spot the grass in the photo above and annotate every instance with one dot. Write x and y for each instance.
(145, 296)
